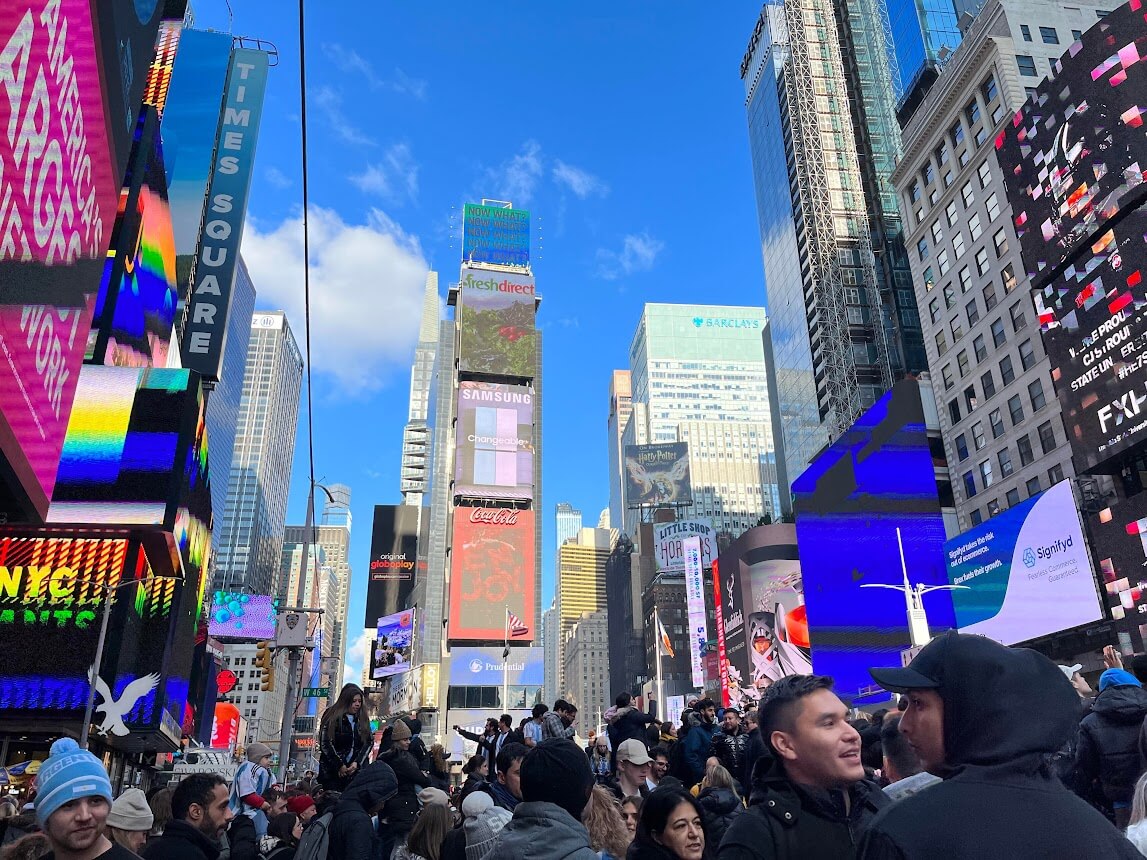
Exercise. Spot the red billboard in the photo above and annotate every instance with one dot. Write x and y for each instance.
(491, 570)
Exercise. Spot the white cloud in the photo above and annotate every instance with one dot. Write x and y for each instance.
(581, 182)
(350, 61)
(356, 656)
(638, 254)
(395, 177)
(367, 284)
(515, 178)
(330, 102)
(277, 178)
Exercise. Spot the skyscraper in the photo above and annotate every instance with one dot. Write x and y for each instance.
(580, 588)
(255, 513)
(586, 668)
(620, 408)
(416, 436)
(823, 136)
(569, 522)
(924, 34)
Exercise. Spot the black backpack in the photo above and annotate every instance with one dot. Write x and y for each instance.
(316, 839)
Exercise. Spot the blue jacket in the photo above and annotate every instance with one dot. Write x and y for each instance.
(697, 748)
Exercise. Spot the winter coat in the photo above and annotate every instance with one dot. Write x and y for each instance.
(627, 724)
(454, 845)
(20, 826)
(755, 750)
(719, 808)
(542, 831)
(999, 797)
(240, 841)
(181, 841)
(473, 783)
(697, 750)
(731, 751)
(1108, 747)
(337, 740)
(352, 833)
(402, 808)
(282, 851)
(787, 821)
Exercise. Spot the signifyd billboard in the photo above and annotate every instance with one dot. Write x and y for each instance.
(497, 336)
(879, 475)
(1026, 572)
(393, 560)
(491, 569)
(495, 441)
(390, 654)
(1072, 156)
(657, 475)
(237, 615)
(495, 234)
(669, 547)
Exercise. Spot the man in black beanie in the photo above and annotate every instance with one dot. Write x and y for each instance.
(556, 782)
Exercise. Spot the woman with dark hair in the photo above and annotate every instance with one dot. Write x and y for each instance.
(477, 769)
(669, 828)
(283, 834)
(344, 740)
(439, 767)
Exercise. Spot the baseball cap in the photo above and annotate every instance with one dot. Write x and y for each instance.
(1069, 671)
(925, 672)
(634, 752)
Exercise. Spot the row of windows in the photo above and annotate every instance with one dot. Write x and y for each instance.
(1012, 496)
(1038, 401)
(979, 345)
(988, 384)
(986, 470)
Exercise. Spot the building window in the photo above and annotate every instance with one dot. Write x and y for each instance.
(999, 336)
(982, 261)
(1016, 408)
(970, 398)
(1026, 32)
(950, 212)
(949, 381)
(1077, 34)
(949, 297)
(941, 342)
(1033, 486)
(989, 297)
(984, 171)
(980, 347)
(1008, 278)
(986, 476)
(1055, 474)
(1046, 437)
(1006, 467)
(1007, 373)
(957, 134)
(989, 89)
(922, 249)
(961, 447)
(942, 261)
(929, 173)
(1027, 354)
(969, 484)
(1024, 446)
(954, 411)
(987, 385)
(958, 245)
(914, 191)
(1013, 497)
(1017, 313)
(962, 362)
(1000, 240)
(997, 422)
(937, 232)
(981, 135)
(973, 312)
(934, 309)
(964, 157)
(975, 517)
(929, 281)
(1026, 62)
(993, 207)
(974, 226)
(978, 438)
(957, 330)
(1035, 392)
(972, 112)
(965, 279)
(967, 195)
(1049, 35)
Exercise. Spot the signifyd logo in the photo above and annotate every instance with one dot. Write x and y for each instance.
(1029, 557)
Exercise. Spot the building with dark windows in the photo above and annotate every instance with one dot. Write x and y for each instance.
(924, 36)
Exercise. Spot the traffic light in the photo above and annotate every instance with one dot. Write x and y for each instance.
(265, 660)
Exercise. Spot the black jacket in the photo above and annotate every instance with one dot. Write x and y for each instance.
(181, 841)
(1006, 713)
(627, 724)
(786, 821)
(731, 751)
(336, 740)
(1108, 748)
(402, 808)
(719, 807)
(755, 749)
(242, 843)
(352, 834)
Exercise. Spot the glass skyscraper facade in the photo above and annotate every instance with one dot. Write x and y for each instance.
(921, 31)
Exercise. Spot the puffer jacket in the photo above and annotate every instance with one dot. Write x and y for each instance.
(1108, 747)
(731, 751)
(719, 808)
(352, 833)
(542, 831)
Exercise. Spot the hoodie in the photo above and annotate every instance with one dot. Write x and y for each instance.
(352, 832)
(1108, 749)
(543, 831)
(1006, 711)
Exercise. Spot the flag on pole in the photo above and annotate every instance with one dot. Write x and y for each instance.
(515, 625)
(663, 637)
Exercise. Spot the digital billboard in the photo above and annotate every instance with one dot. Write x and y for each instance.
(1072, 157)
(390, 653)
(1026, 573)
(1119, 536)
(209, 304)
(491, 569)
(876, 477)
(669, 547)
(1094, 322)
(237, 615)
(762, 622)
(393, 559)
(657, 475)
(495, 441)
(495, 234)
(695, 604)
(484, 667)
(496, 329)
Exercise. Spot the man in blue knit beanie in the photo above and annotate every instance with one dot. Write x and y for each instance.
(73, 799)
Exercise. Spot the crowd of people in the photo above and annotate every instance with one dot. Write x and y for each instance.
(989, 752)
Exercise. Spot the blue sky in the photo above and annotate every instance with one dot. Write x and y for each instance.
(621, 128)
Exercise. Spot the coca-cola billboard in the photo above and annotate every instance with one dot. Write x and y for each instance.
(491, 570)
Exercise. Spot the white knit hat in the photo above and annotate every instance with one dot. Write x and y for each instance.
(131, 812)
(481, 832)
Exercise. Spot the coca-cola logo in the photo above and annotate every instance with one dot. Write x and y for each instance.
(494, 516)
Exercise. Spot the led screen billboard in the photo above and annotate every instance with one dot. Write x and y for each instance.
(1073, 157)
(763, 626)
(1094, 321)
(238, 615)
(669, 547)
(491, 569)
(657, 475)
(495, 441)
(1026, 573)
(878, 476)
(485, 667)
(393, 559)
(496, 329)
(1119, 536)
(390, 653)
(495, 234)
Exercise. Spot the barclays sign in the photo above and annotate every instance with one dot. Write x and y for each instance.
(725, 322)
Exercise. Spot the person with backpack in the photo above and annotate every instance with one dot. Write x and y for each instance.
(349, 832)
(402, 808)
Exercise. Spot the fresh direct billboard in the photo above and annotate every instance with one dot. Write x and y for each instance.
(496, 329)
(1026, 573)
(242, 616)
(657, 475)
(877, 476)
(491, 569)
(390, 654)
(393, 559)
(669, 543)
(495, 234)
(495, 441)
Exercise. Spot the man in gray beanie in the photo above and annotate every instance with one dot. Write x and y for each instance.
(556, 782)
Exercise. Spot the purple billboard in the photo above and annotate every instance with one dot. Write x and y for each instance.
(495, 433)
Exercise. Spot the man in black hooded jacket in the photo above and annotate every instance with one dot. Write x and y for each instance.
(986, 719)
(352, 833)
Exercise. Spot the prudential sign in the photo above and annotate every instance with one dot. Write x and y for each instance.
(210, 300)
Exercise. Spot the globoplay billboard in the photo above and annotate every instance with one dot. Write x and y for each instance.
(491, 570)
(393, 559)
(495, 441)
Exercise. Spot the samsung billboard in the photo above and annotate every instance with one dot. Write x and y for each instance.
(495, 441)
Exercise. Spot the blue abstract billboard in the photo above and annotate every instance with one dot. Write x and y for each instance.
(877, 477)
